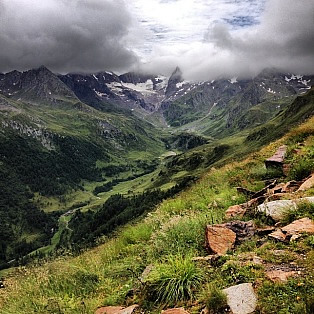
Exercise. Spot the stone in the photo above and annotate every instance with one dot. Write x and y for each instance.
(264, 231)
(295, 237)
(241, 298)
(277, 160)
(277, 209)
(117, 310)
(280, 275)
(291, 186)
(219, 239)
(146, 272)
(304, 225)
(109, 310)
(277, 189)
(235, 210)
(257, 260)
(242, 229)
(179, 310)
(278, 235)
(309, 183)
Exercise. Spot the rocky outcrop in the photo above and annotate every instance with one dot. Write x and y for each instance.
(280, 275)
(278, 235)
(219, 239)
(242, 229)
(241, 298)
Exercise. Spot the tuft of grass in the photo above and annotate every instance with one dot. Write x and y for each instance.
(137, 234)
(173, 280)
(304, 209)
(215, 299)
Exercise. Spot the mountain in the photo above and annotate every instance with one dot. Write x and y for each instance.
(70, 143)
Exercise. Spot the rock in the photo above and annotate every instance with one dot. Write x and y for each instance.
(295, 237)
(257, 260)
(241, 298)
(116, 310)
(277, 160)
(242, 229)
(309, 183)
(291, 186)
(278, 235)
(240, 210)
(109, 310)
(277, 189)
(280, 275)
(264, 231)
(277, 209)
(235, 210)
(299, 226)
(146, 272)
(208, 258)
(179, 310)
(219, 239)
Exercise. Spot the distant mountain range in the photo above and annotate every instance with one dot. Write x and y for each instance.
(63, 137)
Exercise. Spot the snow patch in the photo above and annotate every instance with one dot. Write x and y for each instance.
(233, 80)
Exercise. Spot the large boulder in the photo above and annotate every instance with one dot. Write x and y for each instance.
(277, 160)
(241, 298)
(219, 239)
(277, 209)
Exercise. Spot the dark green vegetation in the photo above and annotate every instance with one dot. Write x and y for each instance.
(77, 163)
(168, 240)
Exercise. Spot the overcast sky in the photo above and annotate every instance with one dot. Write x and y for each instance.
(206, 38)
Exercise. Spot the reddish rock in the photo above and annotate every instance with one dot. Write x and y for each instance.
(280, 275)
(278, 235)
(277, 159)
(309, 183)
(264, 231)
(299, 226)
(277, 189)
(219, 239)
(109, 310)
(291, 186)
(235, 210)
(116, 310)
(179, 310)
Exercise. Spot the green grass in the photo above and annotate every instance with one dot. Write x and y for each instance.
(167, 238)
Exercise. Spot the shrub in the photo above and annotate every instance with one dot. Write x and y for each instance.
(173, 280)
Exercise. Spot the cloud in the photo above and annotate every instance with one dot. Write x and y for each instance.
(65, 35)
(283, 39)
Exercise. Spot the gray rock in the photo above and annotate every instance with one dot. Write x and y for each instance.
(277, 209)
(241, 298)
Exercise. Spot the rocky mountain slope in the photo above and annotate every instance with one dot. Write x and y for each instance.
(263, 263)
(69, 142)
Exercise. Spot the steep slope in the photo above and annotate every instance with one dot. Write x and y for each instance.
(52, 144)
(160, 261)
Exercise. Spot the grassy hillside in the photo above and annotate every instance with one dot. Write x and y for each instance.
(169, 238)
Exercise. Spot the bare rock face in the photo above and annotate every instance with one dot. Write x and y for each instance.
(241, 298)
(180, 310)
(304, 225)
(291, 186)
(116, 310)
(219, 239)
(309, 183)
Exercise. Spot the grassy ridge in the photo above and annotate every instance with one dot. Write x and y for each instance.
(168, 238)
